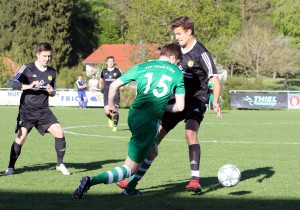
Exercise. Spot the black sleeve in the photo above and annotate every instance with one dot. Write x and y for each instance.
(20, 78)
(16, 85)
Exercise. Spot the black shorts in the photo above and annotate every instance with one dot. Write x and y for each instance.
(117, 98)
(195, 110)
(41, 120)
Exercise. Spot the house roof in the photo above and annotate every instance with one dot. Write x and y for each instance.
(126, 55)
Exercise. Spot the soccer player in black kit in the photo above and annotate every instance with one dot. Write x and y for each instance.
(198, 68)
(108, 75)
(37, 81)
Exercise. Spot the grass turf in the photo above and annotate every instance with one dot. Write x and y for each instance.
(263, 144)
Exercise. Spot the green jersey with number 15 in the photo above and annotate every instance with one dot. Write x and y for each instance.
(155, 80)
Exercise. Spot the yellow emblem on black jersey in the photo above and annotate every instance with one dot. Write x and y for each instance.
(50, 77)
(115, 74)
(190, 63)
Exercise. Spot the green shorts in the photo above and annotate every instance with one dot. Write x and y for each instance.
(144, 129)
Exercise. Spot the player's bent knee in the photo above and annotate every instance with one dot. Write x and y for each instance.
(56, 130)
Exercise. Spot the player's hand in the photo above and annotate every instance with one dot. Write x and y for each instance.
(217, 109)
(113, 110)
(35, 84)
(49, 88)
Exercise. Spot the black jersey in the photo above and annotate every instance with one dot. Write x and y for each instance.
(110, 76)
(36, 98)
(197, 66)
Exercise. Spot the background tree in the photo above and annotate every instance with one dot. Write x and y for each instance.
(287, 19)
(76, 28)
(258, 49)
(102, 18)
(215, 22)
(85, 30)
(121, 8)
(68, 75)
(284, 60)
(3, 73)
(256, 8)
(26, 23)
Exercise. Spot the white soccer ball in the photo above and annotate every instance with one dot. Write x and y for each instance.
(229, 175)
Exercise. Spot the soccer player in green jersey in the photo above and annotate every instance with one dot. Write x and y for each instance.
(155, 80)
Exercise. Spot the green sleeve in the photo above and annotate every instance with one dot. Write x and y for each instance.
(130, 75)
(180, 86)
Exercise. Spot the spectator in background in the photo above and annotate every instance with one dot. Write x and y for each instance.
(81, 92)
(93, 83)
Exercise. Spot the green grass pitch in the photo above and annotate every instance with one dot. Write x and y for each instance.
(264, 145)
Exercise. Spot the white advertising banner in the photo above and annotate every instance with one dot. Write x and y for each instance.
(294, 101)
(63, 97)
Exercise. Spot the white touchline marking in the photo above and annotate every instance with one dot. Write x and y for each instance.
(248, 123)
(174, 140)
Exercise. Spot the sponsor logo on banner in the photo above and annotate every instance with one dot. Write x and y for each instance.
(294, 101)
(261, 100)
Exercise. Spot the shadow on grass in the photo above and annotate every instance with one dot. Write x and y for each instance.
(168, 196)
(81, 166)
(159, 200)
(212, 183)
(123, 129)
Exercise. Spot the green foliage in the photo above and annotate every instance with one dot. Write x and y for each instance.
(280, 84)
(84, 30)
(3, 74)
(111, 17)
(216, 22)
(149, 22)
(26, 23)
(216, 25)
(76, 28)
(287, 18)
(67, 77)
(100, 20)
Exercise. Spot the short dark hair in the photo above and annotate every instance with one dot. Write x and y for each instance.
(185, 22)
(171, 49)
(110, 57)
(43, 47)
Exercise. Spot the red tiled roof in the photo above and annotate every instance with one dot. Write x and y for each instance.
(126, 55)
